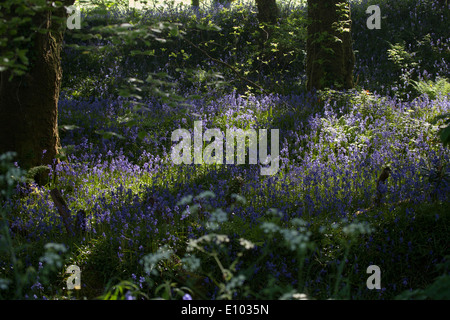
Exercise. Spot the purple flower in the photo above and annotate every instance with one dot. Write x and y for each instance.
(187, 296)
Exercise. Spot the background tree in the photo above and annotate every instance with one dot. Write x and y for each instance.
(30, 79)
(225, 3)
(330, 58)
(268, 11)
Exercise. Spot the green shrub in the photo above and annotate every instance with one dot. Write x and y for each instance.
(433, 89)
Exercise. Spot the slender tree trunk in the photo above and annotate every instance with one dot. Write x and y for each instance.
(330, 57)
(225, 3)
(29, 103)
(268, 11)
(268, 14)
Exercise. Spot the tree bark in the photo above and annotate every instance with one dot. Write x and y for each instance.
(330, 58)
(29, 103)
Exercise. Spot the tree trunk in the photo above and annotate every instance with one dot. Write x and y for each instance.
(29, 103)
(268, 11)
(225, 3)
(330, 58)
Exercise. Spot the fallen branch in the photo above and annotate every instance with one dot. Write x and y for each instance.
(63, 210)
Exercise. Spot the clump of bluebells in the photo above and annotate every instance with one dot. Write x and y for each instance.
(309, 231)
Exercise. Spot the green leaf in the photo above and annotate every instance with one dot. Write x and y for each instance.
(22, 55)
(142, 135)
(174, 32)
(109, 134)
(68, 127)
(445, 135)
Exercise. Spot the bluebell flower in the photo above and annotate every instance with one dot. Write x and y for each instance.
(187, 296)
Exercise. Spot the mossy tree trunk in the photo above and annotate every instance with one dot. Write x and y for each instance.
(330, 58)
(29, 103)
